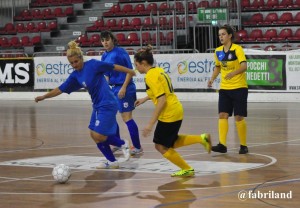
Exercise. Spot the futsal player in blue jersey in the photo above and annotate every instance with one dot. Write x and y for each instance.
(103, 123)
(122, 86)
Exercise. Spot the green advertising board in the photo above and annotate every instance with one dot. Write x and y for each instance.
(266, 72)
(212, 14)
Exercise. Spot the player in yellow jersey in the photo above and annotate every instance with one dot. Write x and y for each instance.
(168, 114)
(233, 94)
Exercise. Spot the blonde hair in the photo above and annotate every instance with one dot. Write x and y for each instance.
(74, 49)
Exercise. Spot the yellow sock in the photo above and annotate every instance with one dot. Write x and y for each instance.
(176, 159)
(223, 130)
(185, 140)
(241, 127)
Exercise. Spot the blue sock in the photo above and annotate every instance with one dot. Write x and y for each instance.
(134, 133)
(106, 151)
(118, 131)
(115, 141)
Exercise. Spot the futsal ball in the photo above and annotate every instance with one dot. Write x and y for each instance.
(61, 173)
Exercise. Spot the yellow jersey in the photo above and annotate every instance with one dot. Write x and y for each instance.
(158, 83)
(228, 62)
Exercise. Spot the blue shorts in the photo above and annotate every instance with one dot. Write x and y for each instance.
(233, 101)
(103, 121)
(126, 104)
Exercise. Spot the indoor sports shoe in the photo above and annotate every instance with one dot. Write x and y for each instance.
(115, 149)
(108, 165)
(243, 149)
(136, 151)
(184, 173)
(219, 148)
(126, 150)
(206, 141)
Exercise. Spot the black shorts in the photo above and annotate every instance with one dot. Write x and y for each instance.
(166, 133)
(233, 101)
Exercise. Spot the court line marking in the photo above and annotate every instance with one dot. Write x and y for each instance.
(149, 143)
(151, 191)
(273, 160)
(31, 178)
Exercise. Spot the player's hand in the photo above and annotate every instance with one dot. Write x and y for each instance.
(122, 93)
(209, 83)
(139, 102)
(147, 130)
(39, 98)
(132, 73)
(229, 76)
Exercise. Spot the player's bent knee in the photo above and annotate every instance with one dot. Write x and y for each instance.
(98, 137)
(126, 116)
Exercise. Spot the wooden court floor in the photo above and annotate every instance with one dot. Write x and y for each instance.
(36, 137)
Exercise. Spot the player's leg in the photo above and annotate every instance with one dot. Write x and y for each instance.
(116, 148)
(240, 111)
(104, 147)
(120, 144)
(174, 157)
(115, 90)
(134, 133)
(165, 136)
(126, 107)
(103, 123)
(185, 140)
(225, 110)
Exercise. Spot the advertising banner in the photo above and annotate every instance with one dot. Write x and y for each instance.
(266, 72)
(276, 71)
(187, 71)
(293, 71)
(16, 72)
(50, 72)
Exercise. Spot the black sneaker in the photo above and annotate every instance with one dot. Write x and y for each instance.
(243, 149)
(219, 148)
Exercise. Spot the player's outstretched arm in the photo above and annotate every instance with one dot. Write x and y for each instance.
(124, 69)
(53, 93)
(141, 101)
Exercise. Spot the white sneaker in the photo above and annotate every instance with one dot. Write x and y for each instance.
(115, 149)
(136, 151)
(109, 165)
(126, 150)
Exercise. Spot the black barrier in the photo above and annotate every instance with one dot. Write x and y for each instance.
(16, 72)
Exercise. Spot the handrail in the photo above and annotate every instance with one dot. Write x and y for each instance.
(175, 51)
(210, 50)
(57, 53)
(13, 54)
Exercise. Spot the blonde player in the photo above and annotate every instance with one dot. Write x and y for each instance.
(103, 124)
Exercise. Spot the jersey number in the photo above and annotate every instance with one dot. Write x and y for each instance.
(168, 82)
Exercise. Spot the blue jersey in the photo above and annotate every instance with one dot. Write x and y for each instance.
(120, 57)
(91, 77)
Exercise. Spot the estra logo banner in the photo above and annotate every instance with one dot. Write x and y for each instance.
(16, 72)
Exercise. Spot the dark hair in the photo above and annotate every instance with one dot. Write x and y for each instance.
(108, 34)
(230, 30)
(144, 54)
